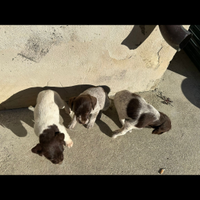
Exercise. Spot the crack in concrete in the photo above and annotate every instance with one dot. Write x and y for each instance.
(158, 54)
(29, 58)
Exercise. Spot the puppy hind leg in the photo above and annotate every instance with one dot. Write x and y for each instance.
(119, 132)
(122, 131)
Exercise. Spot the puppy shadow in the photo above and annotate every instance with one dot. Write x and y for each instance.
(14, 120)
(104, 127)
(112, 114)
(14, 111)
(66, 118)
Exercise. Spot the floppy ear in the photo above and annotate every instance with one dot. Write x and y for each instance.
(164, 127)
(37, 149)
(157, 131)
(71, 102)
(93, 101)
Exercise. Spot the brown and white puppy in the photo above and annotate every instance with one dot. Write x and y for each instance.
(87, 105)
(135, 113)
(49, 126)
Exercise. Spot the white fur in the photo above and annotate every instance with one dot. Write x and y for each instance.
(46, 113)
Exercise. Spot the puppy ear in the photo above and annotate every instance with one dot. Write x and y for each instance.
(157, 131)
(37, 149)
(71, 102)
(164, 127)
(93, 101)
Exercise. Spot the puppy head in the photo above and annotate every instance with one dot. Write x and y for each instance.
(164, 124)
(51, 145)
(82, 107)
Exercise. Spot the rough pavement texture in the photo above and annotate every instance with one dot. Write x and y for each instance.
(95, 152)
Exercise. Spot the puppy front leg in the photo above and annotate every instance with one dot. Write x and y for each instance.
(69, 143)
(123, 130)
(92, 120)
(72, 123)
(68, 140)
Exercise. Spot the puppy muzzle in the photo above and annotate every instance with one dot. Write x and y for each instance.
(82, 122)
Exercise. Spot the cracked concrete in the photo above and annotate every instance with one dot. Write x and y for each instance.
(94, 152)
(158, 53)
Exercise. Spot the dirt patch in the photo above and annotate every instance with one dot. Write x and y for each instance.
(37, 46)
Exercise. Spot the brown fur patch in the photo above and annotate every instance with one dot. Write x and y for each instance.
(51, 144)
(133, 108)
(145, 119)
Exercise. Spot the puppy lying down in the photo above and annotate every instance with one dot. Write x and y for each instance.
(135, 113)
(87, 106)
(49, 126)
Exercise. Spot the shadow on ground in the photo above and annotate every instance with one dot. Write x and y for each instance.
(191, 84)
(137, 36)
(112, 114)
(14, 118)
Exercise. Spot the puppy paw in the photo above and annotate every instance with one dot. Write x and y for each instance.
(69, 143)
(71, 126)
(118, 133)
(89, 125)
(114, 136)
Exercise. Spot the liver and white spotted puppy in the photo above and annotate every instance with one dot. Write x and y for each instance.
(49, 126)
(135, 113)
(87, 106)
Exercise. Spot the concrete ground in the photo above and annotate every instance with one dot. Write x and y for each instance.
(95, 152)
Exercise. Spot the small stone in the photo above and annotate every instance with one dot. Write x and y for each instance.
(161, 170)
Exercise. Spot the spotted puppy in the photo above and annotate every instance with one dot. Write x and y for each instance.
(49, 126)
(135, 113)
(87, 105)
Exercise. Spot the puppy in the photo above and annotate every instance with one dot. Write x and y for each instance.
(135, 113)
(49, 126)
(87, 105)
